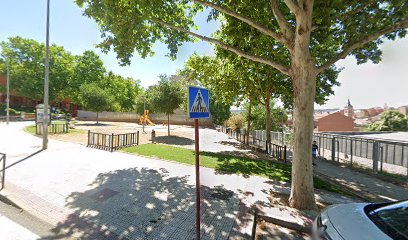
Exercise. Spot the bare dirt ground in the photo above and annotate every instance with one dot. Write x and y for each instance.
(179, 134)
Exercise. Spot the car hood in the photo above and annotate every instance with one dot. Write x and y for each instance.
(351, 222)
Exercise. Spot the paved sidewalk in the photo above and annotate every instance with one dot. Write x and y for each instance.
(13, 231)
(369, 186)
(93, 194)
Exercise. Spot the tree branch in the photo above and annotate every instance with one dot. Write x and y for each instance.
(292, 5)
(227, 47)
(282, 22)
(343, 54)
(278, 37)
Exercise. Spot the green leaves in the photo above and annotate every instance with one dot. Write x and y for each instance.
(136, 30)
(68, 73)
(390, 121)
(166, 96)
(96, 99)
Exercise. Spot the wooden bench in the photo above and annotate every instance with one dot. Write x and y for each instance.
(255, 148)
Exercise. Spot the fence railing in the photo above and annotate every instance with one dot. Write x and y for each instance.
(55, 128)
(258, 138)
(112, 142)
(2, 170)
(278, 151)
(379, 152)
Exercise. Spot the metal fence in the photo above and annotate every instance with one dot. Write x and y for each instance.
(378, 154)
(112, 142)
(378, 151)
(257, 138)
(3, 169)
(55, 128)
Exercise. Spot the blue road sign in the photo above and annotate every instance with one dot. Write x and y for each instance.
(198, 102)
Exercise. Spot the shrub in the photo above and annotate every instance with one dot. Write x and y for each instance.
(236, 121)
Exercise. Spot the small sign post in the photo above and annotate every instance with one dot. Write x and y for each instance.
(198, 107)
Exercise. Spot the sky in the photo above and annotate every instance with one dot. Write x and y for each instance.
(367, 85)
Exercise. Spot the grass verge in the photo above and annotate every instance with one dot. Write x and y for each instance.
(227, 163)
(31, 129)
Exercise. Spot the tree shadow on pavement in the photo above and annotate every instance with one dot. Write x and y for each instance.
(141, 203)
(174, 140)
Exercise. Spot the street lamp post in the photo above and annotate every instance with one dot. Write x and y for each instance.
(8, 93)
(47, 67)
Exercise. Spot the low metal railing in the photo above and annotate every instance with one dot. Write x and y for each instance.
(112, 142)
(2, 170)
(55, 128)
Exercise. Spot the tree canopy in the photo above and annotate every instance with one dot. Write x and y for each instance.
(390, 121)
(299, 38)
(96, 99)
(68, 73)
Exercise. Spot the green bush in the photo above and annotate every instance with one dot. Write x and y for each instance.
(13, 112)
(236, 121)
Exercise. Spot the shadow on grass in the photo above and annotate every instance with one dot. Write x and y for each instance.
(237, 145)
(141, 203)
(247, 167)
(174, 140)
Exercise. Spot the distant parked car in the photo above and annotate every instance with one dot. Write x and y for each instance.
(360, 221)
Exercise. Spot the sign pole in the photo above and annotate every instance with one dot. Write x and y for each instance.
(197, 157)
(198, 107)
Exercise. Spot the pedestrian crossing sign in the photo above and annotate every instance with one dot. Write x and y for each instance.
(198, 102)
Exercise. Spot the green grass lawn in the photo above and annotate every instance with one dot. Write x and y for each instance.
(226, 163)
(31, 129)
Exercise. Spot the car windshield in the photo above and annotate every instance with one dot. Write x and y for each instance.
(392, 219)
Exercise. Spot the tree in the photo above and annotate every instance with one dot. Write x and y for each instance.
(231, 78)
(88, 68)
(124, 90)
(278, 116)
(220, 111)
(26, 57)
(165, 97)
(390, 121)
(299, 38)
(96, 99)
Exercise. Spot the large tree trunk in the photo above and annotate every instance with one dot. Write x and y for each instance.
(249, 119)
(168, 124)
(303, 73)
(97, 117)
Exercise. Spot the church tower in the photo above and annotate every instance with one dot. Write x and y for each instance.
(349, 110)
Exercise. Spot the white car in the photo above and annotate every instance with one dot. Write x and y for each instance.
(360, 221)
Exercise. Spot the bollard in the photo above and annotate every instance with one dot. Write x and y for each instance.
(153, 135)
(333, 152)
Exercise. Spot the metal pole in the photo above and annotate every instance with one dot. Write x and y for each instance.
(8, 92)
(197, 157)
(47, 68)
(144, 112)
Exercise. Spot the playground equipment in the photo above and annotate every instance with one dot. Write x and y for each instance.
(145, 118)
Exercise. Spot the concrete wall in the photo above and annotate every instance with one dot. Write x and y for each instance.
(179, 117)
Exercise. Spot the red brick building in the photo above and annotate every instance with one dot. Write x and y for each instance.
(335, 122)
